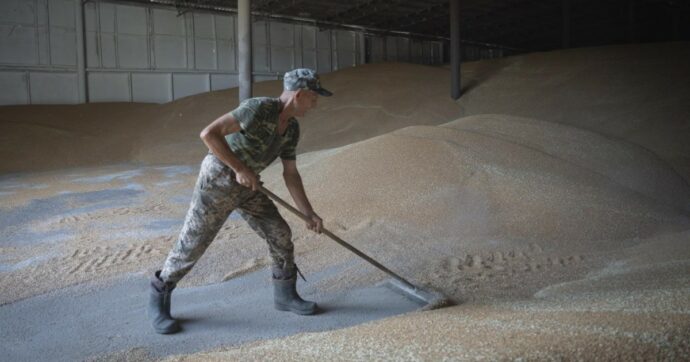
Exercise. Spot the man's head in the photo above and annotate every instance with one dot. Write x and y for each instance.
(304, 78)
(301, 90)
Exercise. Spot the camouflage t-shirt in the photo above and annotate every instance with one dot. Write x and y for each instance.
(258, 143)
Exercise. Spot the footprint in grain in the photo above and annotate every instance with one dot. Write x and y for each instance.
(86, 260)
(503, 263)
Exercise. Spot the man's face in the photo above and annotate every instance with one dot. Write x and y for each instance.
(305, 100)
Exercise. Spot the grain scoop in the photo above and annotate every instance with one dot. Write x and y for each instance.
(429, 299)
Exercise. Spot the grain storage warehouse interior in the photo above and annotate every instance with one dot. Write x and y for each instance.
(527, 162)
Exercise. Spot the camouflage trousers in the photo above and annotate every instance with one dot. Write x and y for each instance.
(216, 195)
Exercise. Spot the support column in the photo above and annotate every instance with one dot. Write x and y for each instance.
(675, 18)
(566, 23)
(632, 36)
(455, 49)
(244, 58)
(81, 52)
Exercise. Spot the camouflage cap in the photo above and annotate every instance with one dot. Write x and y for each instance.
(304, 78)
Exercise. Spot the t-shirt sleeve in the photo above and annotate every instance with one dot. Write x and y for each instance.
(289, 151)
(245, 114)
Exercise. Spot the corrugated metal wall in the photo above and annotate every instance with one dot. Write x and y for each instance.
(37, 51)
(145, 53)
(400, 49)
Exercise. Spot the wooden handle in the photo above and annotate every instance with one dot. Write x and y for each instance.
(335, 238)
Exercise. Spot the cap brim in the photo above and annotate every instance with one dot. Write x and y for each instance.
(323, 92)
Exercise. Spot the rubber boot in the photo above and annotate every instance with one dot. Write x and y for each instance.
(286, 298)
(159, 306)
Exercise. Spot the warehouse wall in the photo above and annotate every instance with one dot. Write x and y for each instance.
(400, 49)
(37, 51)
(150, 53)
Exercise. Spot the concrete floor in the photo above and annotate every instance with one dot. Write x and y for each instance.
(85, 320)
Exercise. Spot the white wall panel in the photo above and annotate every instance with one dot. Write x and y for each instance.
(376, 49)
(297, 48)
(131, 20)
(260, 59)
(259, 47)
(63, 46)
(91, 36)
(309, 59)
(170, 43)
(14, 88)
(188, 84)
(152, 87)
(346, 60)
(437, 57)
(308, 50)
(226, 55)
(61, 13)
(225, 42)
(92, 51)
(205, 54)
(204, 26)
(416, 51)
(109, 87)
(308, 37)
(391, 49)
(189, 39)
(42, 12)
(259, 35)
(106, 17)
(53, 88)
(17, 11)
(18, 44)
(90, 16)
(323, 62)
(170, 52)
(108, 55)
(282, 34)
(323, 51)
(346, 49)
(223, 81)
(42, 32)
(403, 45)
(282, 39)
(43, 39)
(132, 44)
(225, 27)
(345, 40)
(132, 51)
(263, 78)
(167, 22)
(282, 59)
(323, 39)
(426, 53)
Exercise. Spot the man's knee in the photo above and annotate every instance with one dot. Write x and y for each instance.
(284, 233)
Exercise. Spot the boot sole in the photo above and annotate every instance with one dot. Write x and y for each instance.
(167, 331)
(285, 308)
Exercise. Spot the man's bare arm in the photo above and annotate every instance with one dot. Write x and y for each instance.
(293, 182)
(214, 138)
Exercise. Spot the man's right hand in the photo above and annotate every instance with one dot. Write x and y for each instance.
(248, 178)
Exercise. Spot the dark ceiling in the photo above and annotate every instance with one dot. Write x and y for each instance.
(520, 24)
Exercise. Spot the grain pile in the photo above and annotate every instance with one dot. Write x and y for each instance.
(372, 100)
(556, 209)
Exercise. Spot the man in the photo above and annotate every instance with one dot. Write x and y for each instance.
(241, 144)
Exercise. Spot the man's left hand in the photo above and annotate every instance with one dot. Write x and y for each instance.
(315, 223)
